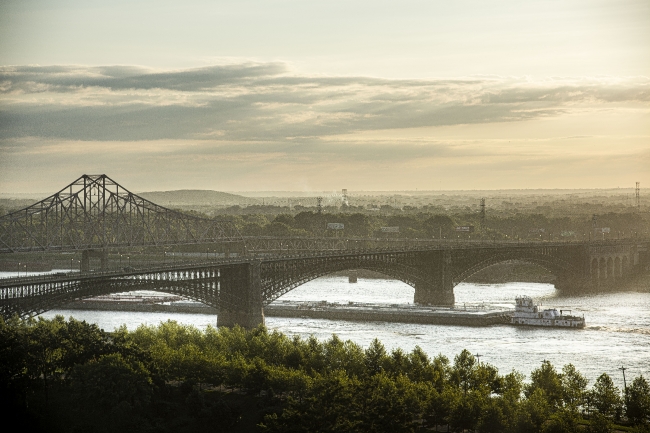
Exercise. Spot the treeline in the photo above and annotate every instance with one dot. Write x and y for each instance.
(426, 225)
(70, 376)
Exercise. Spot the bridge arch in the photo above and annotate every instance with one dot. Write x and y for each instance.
(275, 286)
(82, 290)
(602, 268)
(554, 265)
(610, 268)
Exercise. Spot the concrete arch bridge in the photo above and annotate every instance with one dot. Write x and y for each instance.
(240, 288)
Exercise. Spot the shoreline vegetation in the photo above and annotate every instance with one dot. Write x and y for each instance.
(63, 375)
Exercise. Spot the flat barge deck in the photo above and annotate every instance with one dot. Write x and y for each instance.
(464, 315)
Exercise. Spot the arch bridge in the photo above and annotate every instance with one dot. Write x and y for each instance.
(240, 288)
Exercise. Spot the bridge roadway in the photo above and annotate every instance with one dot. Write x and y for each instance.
(239, 288)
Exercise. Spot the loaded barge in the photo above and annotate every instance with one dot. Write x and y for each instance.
(468, 315)
(478, 315)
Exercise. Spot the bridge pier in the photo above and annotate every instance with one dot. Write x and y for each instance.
(86, 255)
(430, 294)
(240, 295)
(437, 288)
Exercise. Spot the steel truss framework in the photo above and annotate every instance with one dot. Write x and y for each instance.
(95, 212)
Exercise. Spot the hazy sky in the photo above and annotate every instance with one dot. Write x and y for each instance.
(322, 95)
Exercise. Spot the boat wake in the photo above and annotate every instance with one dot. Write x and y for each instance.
(643, 331)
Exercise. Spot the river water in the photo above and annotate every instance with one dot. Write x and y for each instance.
(617, 332)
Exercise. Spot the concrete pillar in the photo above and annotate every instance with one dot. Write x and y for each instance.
(86, 255)
(437, 287)
(240, 296)
(430, 294)
(85, 261)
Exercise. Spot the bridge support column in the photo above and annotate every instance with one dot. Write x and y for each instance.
(430, 294)
(437, 289)
(86, 255)
(240, 296)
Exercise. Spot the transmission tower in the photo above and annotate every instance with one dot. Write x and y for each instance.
(482, 212)
(637, 192)
(319, 206)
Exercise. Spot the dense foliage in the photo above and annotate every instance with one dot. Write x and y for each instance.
(70, 376)
(424, 224)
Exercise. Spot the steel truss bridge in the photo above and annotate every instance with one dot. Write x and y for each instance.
(94, 212)
(95, 216)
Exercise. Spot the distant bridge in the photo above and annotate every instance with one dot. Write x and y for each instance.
(94, 213)
(99, 214)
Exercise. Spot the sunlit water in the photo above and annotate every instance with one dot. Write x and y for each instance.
(617, 332)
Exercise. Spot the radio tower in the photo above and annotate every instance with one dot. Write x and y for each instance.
(638, 196)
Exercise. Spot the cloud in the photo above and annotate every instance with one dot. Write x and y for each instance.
(266, 101)
(264, 126)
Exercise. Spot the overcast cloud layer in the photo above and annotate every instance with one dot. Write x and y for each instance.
(258, 122)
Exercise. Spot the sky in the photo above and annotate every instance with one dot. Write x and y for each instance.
(304, 95)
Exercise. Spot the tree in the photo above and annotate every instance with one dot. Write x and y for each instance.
(329, 406)
(563, 421)
(637, 401)
(574, 386)
(390, 404)
(375, 357)
(110, 393)
(606, 397)
(493, 417)
(463, 370)
(599, 423)
(547, 380)
(533, 412)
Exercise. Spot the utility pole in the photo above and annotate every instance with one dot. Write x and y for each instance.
(478, 357)
(623, 370)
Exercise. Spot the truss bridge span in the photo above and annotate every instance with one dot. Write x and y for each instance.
(94, 213)
(240, 288)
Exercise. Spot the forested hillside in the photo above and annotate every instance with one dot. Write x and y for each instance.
(70, 376)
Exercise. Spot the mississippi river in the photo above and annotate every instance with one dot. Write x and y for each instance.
(617, 332)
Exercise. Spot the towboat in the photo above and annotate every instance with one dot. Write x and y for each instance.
(527, 313)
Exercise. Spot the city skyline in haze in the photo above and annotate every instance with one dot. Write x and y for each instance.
(301, 96)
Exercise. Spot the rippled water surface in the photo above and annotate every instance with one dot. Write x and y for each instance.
(617, 331)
